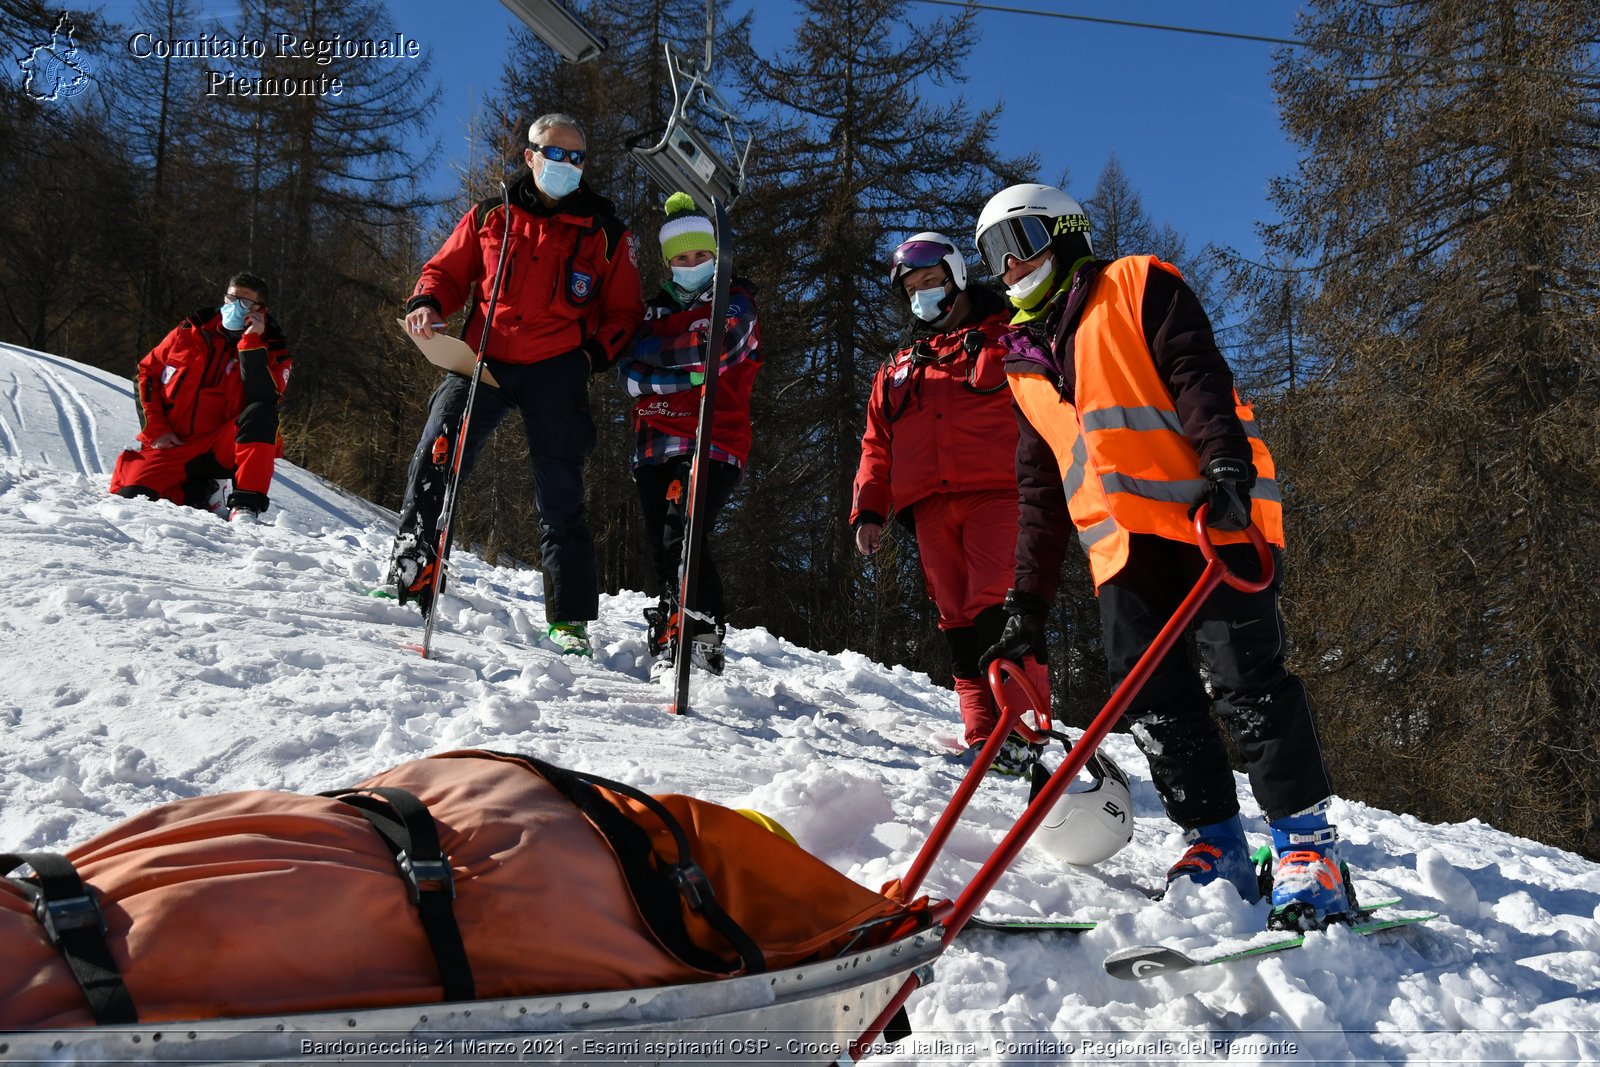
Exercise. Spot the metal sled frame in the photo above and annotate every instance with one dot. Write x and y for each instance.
(806, 1014)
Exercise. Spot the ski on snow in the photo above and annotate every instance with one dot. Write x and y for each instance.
(1038, 924)
(1142, 962)
(1032, 925)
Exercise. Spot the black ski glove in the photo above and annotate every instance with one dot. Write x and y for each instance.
(1228, 493)
(1023, 634)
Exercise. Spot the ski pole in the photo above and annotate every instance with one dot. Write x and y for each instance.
(699, 477)
(453, 482)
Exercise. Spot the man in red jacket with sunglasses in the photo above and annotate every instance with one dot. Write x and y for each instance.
(569, 304)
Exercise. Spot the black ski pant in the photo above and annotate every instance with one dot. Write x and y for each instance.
(553, 398)
(664, 498)
(1241, 638)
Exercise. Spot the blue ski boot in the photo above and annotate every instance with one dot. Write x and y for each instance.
(1218, 850)
(1311, 886)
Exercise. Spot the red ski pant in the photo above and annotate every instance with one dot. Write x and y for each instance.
(185, 471)
(968, 544)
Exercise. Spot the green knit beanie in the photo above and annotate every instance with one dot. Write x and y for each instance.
(686, 230)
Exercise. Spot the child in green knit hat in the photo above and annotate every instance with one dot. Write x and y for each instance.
(664, 373)
(688, 246)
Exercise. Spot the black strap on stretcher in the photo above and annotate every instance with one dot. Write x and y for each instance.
(404, 823)
(658, 887)
(72, 920)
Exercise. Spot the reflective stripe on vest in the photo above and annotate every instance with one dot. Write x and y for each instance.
(1124, 428)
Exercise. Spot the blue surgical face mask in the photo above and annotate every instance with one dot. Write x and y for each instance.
(693, 279)
(233, 316)
(926, 304)
(557, 180)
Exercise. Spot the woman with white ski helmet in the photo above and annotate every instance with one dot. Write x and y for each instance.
(1032, 236)
(1129, 423)
(939, 453)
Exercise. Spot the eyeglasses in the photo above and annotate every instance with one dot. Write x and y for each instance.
(1021, 237)
(250, 306)
(914, 255)
(557, 154)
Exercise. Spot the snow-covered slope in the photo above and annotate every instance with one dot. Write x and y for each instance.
(151, 652)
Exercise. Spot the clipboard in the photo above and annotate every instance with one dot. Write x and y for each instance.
(448, 353)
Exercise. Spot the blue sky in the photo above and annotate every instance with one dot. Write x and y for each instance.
(1191, 118)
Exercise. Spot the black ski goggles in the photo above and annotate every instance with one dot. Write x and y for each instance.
(1020, 237)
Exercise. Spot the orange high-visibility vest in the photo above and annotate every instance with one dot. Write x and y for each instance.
(1126, 465)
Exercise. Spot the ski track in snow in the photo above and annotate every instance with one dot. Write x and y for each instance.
(153, 652)
(76, 420)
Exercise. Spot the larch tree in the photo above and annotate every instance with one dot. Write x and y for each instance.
(863, 145)
(1446, 467)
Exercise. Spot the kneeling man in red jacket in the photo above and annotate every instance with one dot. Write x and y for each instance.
(208, 407)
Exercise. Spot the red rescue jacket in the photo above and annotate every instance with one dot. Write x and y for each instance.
(938, 420)
(571, 278)
(189, 384)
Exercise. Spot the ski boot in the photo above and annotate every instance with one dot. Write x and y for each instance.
(1218, 850)
(572, 638)
(661, 639)
(246, 507)
(663, 662)
(705, 651)
(1016, 758)
(411, 572)
(1311, 885)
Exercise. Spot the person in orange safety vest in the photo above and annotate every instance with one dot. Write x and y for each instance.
(1128, 422)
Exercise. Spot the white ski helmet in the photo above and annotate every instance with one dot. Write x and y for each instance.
(1090, 822)
(927, 249)
(1024, 220)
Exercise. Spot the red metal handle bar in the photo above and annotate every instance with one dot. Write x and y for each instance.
(1039, 731)
(1010, 720)
(1209, 551)
(952, 813)
(966, 905)
(1216, 572)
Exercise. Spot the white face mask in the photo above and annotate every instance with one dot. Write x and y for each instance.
(925, 304)
(1028, 286)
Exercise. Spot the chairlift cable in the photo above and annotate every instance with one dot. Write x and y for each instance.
(1361, 50)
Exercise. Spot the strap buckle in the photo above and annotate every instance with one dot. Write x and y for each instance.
(425, 876)
(59, 917)
(692, 882)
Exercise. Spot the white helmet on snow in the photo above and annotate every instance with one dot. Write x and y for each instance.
(1022, 221)
(1090, 822)
(927, 249)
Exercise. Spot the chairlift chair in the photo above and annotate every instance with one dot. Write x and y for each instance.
(685, 159)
